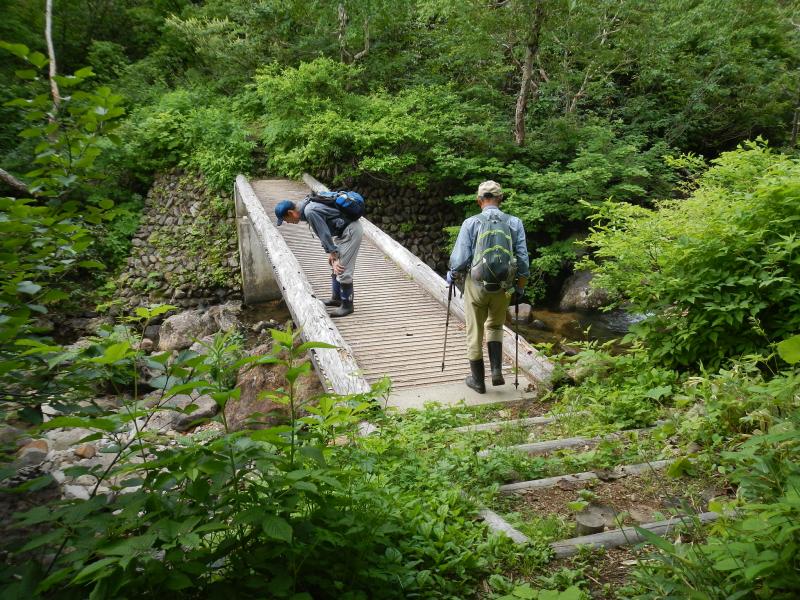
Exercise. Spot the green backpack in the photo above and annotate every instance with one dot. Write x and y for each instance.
(494, 265)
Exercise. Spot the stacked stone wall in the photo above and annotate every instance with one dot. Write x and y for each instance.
(185, 250)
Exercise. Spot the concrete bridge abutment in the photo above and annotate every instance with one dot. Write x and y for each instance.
(258, 277)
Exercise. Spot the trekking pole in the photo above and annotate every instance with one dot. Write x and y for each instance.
(447, 320)
(516, 344)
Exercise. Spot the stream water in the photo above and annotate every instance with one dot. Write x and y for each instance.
(565, 328)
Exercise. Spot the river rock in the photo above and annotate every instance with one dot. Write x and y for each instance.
(577, 293)
(165, 420)
(61, 439)
(525, 313)
(86, 451)
(9, 435)
(255, 379)
(75, 492)
(226, 316)
(178, 330)
(32, 453)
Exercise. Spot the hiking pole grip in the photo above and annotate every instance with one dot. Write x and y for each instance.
(447, 321)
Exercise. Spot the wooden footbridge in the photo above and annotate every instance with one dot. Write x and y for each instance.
(397, 329)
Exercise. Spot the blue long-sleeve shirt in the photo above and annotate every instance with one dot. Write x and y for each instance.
(461, 257)
(325, 221)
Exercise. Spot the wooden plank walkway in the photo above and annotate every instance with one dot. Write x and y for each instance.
(397, 329)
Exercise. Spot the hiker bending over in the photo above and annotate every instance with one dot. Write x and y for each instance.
(340, 236)
(492, 252)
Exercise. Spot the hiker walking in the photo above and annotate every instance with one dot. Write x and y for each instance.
(491, 251)
(340, 234)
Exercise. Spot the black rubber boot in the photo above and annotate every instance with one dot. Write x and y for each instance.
(475, 381)
(347, 301)
(336, 293)
(496, 362)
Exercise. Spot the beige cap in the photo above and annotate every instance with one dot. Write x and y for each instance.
(490, 188)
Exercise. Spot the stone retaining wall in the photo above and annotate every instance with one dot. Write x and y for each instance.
(185, 250)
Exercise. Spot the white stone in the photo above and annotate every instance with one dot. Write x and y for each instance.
(75, 492)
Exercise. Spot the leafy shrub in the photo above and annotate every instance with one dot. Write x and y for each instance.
(753, 554)
(717, 273)
(45, 239)
(315, 118)
(627, 390)
(184, 129)
(253, 512)
(735, 402)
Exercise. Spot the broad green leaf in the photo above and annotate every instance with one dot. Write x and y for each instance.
(56, 422)
(277, 528)
(84, 72)
(28, 287)
(37, 59)
(51, 537)
(129, 546)
(20, 50)
(293, 373)
(728, 564)
(87, 572)
(305, 346)
(114, 353)
(789, 349)
(679, 467)
(91, 264)
(178, 581)
(283, 338)
(53, 296)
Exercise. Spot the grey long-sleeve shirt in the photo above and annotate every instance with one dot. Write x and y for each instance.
(325, 221)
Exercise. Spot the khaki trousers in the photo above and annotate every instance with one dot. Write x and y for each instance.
(482, 307)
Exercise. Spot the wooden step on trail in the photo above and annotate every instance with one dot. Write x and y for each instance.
(548, 446)
(550, 482)
(614, 538)
(526, 422)
(626, 536)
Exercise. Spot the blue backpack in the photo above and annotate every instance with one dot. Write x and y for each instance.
(350, 203)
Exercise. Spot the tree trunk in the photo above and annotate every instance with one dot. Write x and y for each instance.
(530, 78)
(48, 34)
(343, 54)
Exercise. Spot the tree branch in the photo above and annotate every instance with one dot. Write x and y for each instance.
(13, 182)
(365, 51)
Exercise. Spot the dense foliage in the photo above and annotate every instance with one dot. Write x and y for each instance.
(717, 272)
(423, 92)
(638, 120)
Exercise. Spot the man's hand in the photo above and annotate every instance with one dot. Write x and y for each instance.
(449, 277)
(333, 261)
